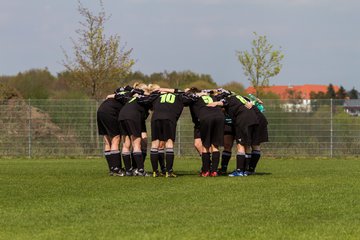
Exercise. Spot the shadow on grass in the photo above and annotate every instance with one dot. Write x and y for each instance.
(195, 173)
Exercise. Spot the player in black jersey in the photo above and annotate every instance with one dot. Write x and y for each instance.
(245, 120)
(144, 143)
(229, 136)
(107, 123)
(260, 135)
(131, 118)
(211, 130)
(167, 106)
(197, 137)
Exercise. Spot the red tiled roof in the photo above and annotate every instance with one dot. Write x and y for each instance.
(305, 90)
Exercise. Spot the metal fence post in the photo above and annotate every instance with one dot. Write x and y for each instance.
(179, 137)
(331, 127)
(29, 128)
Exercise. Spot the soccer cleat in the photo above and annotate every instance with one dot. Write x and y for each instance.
(155, 174)
(129, 173)
(136, 172)
(222, 172)
(170, 175)
(111, 173)
(120, 173)
(214, 174)
(205, 174)
(141, 173)
(237, 174)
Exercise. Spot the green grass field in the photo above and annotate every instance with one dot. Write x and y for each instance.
(75, 199)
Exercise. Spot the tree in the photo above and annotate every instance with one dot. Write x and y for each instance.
(353, 94)
(34, 83)
(99, 63)
(341, 93)
(8, 92)
(173, 79)
(261, 63)
(330, 92)
(236, 87)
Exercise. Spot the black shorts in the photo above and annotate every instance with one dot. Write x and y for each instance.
(260, 133)
(212, 131)
(163, 130)
(130, 128)
(197, 132)
(229, 129)
(244, 135)
(107, 124)
(143, 126)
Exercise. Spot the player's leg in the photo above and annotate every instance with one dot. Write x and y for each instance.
(198, 145)
(226, 153)
(169, 156)
(161, 157)
(126, 152)
(115, 155)
(255, 157)
(215, 159)
(240, 161)
(154, 156)
(136, 147)
(247, 158)
(107, 149)
(205, 158)
(144, 143)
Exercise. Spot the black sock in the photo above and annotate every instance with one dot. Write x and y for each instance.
(139, 161)
(154, 158)
(116, 159)
(169, 159)
(240, 161)
(133, 161)
(255, 157)
(215, 157)
(144, 154)
(247, 161)
(161, 156)
(127, 160)
(225, 158)
(205, 157)
(108, 159)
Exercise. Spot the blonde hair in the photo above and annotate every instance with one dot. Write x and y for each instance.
(140, 85)
(152, 87)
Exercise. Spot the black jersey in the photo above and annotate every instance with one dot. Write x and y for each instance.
(134, 109)
(170, 105)
(238, 112)
(108, 112)
(194, 118)
(113, 106)
(110, 106)
(200, 109)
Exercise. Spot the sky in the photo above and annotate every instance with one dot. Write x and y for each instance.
(319, 38)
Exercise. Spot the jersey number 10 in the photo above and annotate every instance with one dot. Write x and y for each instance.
(167, 98)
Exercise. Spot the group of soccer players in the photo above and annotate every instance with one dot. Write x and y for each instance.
(219, 118)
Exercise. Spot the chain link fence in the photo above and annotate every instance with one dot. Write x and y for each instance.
(326, 128)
